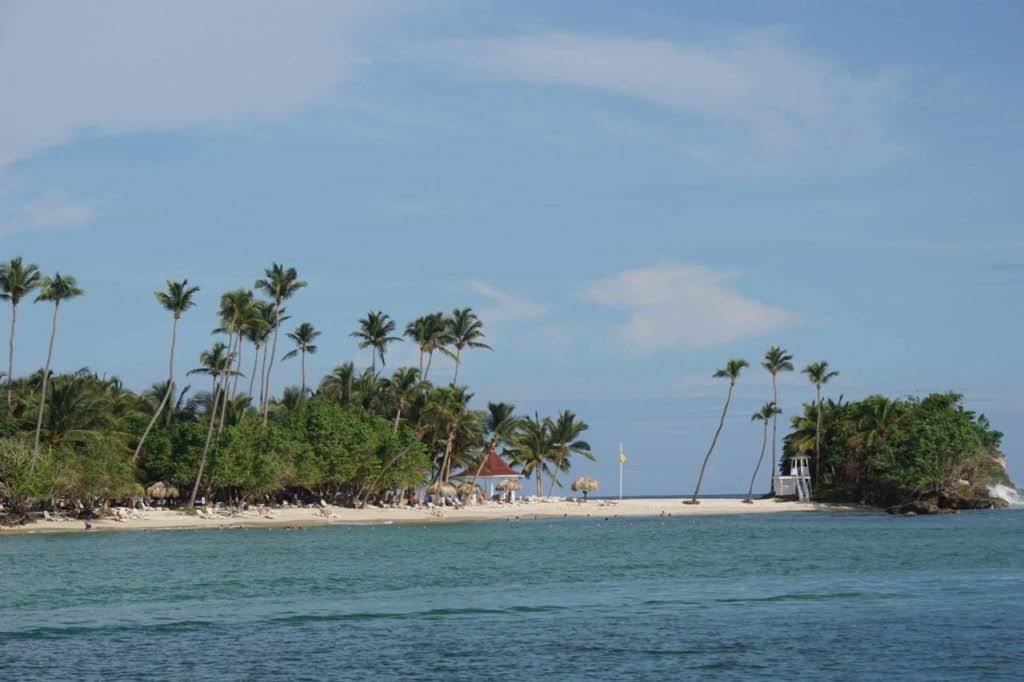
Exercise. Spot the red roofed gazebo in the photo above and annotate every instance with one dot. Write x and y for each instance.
(494, 470)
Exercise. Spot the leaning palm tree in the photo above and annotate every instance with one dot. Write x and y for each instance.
(776, 360)
(769, 412)
(430, 333)
(280, 283)
(375, 332)
(565, 431)
(731, 371)
(55, 290)
(500, 428)
(819, 374)
(465, 331)
(16, 280)
(303, 338)
(177, 299)
(215, 363)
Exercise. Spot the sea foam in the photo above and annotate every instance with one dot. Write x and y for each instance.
(1005, 492)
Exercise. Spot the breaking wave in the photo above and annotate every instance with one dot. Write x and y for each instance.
(1005, 492)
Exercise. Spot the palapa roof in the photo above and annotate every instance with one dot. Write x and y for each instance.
(494, 467)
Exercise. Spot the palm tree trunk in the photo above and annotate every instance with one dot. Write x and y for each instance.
(483, 460)
(430, 359)
(398, 417)
(714, 440)
(273, 353)
(421, 363)
(817, 442)
(263, 372)
(234, 389)
(167, 395)
(540, 485)
(558, 467)
(46, 377)
(775, 422)
(10, 358)
(764, 444)
(373, 359)
(458, 356)
(255, 363)
(206, 445)
(445, 466)
(302, 363)
(227, 381)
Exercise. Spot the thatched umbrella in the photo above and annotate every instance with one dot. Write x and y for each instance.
(468, 489)
(441, 489)
(162, 491)
(508, 485)
(585, 484)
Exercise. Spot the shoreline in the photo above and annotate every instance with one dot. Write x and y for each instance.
(306, 517)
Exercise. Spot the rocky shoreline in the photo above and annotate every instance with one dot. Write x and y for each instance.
(943, 504)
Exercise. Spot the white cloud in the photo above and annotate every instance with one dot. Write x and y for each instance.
(50, 212)
(688, 306)
(504, 307)
(766, 91)
(123, 65)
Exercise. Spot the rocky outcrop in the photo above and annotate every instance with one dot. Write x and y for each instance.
(945, 504)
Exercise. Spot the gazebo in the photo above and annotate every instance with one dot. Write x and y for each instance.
(494, 470)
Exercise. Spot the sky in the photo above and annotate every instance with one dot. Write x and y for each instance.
(629, 194)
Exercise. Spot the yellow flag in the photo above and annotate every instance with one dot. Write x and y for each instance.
(622, 458)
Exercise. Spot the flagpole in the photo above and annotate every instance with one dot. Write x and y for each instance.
(620, 472)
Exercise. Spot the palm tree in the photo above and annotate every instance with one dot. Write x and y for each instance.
(177, 299)
(338, 384)
(534, 448)
(303, 338)
(819, 374)
(776, 360)
(403, 383)
(767, 413)
(280, 284)
(448, 410)
(430, 333)
(256, 329)
(16, 280)
(236, 307)
(875, 423)
(375, 332)
(465, 331)
(53, 289)
(731, 371)
(565, 431)
(214, 363)
(500, 427)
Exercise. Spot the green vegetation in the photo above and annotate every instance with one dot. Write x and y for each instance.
(84, 439)
(876, 451)
(883, 451)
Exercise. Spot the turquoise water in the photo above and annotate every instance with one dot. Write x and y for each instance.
(811, 595)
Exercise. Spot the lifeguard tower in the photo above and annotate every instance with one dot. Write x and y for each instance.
(798, 482)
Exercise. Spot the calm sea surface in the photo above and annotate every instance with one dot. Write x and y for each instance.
(804, 595)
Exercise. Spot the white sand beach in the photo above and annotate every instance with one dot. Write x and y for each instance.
(299, 517)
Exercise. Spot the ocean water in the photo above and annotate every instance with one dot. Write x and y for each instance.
(795, 595)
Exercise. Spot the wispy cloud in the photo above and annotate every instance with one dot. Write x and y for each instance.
(690, 306)
(126, 66)
(762, 86)
(502, 306)
(50, 212)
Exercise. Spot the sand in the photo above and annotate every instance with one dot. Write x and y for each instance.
(299, 517)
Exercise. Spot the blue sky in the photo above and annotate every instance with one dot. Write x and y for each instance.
(629, 194)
